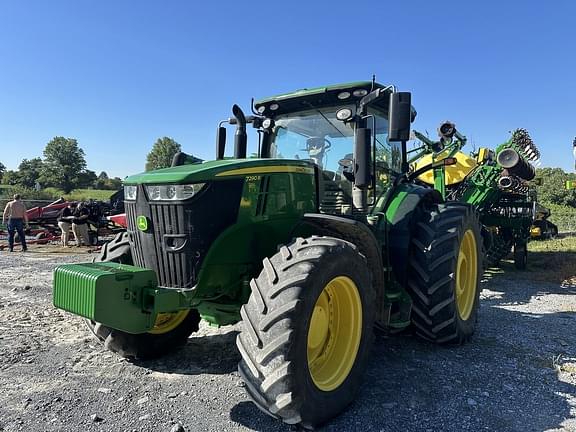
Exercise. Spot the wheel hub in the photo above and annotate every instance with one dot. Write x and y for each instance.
(166, 322)
(466, 275)
(319, 328)
(334, 333)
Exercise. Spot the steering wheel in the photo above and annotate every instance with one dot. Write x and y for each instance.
(347, 165)
(318, 144)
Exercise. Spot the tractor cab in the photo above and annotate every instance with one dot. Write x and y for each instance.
(343, 130)
(320, 126)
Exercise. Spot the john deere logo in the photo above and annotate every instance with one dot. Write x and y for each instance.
(142, 223)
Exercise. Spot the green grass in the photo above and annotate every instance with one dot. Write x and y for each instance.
(83, 194)
(565, 244)
(54, 193)
(552, 261)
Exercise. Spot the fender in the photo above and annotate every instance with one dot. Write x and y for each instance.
(400, 215)
(358, 233)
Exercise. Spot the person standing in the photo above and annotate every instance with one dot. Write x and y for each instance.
(15, 214)
(80, 225)
(65, 219)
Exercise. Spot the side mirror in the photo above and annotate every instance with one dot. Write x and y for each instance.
(399, 116)
(362, 158)
(220, 142)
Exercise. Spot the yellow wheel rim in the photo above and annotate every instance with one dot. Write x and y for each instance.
(334, 333)
(466, 275)
(166, 322)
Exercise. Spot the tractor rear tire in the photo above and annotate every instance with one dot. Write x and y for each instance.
(170, 332)
(307, 330)
(445, 266)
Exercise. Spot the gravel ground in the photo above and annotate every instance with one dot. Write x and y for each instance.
(517, 374)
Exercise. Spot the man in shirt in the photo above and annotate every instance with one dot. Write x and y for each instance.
(80, 225)
(15, 214)
(65, 219)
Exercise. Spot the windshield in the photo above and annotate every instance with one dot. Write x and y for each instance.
(315, 135)
(318, 136)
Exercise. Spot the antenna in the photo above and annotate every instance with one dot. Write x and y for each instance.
(374, 84)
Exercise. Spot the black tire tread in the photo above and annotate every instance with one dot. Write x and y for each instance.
(498, 250)
(432, 265)
(268, 319)
(116, 250)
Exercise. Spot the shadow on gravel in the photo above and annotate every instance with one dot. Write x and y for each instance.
(505, 379)
(248, 415)
(215, 354)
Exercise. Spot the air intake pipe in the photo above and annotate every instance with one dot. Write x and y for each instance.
(182, 158)
(516, 165)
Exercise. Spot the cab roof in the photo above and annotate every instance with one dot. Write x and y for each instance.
(304, 99)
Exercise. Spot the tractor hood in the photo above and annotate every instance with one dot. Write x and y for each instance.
(213, 170)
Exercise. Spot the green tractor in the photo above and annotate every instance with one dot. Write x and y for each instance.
(496, 183)
(311, 245)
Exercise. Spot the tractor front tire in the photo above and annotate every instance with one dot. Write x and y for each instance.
(307, 330)
(116, 250)
(444, 272)
(171, 330)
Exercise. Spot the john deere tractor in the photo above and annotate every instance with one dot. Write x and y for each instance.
(311, 245)
(496, 183)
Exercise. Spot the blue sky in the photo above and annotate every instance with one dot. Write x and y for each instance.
(117, 75)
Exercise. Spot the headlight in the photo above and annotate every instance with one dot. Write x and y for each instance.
(130, 193)
(173, 192)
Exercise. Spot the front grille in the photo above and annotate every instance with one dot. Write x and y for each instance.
(136, 244)
(175, 269)
(193, 225)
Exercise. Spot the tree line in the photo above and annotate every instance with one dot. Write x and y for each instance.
(64, 167)
(552, 189)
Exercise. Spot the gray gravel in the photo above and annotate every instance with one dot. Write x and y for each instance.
(517, 374)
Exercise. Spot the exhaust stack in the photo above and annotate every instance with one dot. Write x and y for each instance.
(240, 137)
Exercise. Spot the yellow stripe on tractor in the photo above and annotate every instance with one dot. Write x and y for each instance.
(267, 170)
